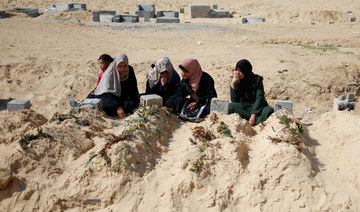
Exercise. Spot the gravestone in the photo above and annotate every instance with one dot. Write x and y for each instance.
(221, 105)
(94, 103)
(18, 104)
(2, 14)
(169, 14)
(126, 18)
(250, 20)
(280, 104)
(199, 10)
(147, 15)
(182, 10)
(167, 20)
(149, 100)
(30, 12)
(141, 8)
(352, 19)
(104, 13)
(215, 13)
(342, 103)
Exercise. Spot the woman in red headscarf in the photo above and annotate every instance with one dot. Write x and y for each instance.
(197, 84)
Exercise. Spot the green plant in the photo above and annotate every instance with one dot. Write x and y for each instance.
(90, 158)
(197, 166)
(285, 120)
(25, 140)
(224, 130)
(320, 47)
(201, 133)
(124, 151)
(282, 61)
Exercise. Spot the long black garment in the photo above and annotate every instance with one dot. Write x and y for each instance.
(128, 99)
(205, 93)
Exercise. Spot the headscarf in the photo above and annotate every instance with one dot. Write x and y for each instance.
(123, 58)
(162, 65)
(193, 66)
(246, 68)
(111, 79)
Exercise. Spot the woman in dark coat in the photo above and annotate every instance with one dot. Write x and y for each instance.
(118, 88)
(163, 80)
(247, 94)
(196, 83)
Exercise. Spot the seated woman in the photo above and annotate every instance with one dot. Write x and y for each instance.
(163, 80)
(118, 88)
(196, 83)
(247, 94)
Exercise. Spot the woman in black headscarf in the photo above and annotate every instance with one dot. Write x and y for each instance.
(247, 94)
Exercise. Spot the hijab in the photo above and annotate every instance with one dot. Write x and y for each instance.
(111, 79)
(162, 65)
(246, 68)
(193, 66)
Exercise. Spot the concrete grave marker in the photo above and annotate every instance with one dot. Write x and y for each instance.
(2, 14)
(126, 18)
(141, 8)
(280, 104)
(18, 104)
(104, 13)
(215, 13)
(182, 10)
(252, 20)
(149, 100)
(342, 103)
(94, 103)
(221, 105)
(199, 10)
(30, 12)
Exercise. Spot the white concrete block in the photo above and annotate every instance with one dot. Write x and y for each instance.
(94, 103)
(149, 100)
(280, 104)
(18, 104)
(221, 105)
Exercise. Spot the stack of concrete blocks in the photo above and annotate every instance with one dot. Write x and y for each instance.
(220, 105)
(252, 20)
(141, 8)
(126, 18)
(18, 104)
(103, 16)
(149, 100)
(283, 104)
(342, 103)
(167, 17)
(2, 14)
(30, 12)
(93, 103)
(55, 8)
(204, 11)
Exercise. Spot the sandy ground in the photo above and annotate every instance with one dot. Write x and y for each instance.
(52, 58)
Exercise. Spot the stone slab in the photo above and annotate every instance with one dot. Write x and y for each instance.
(167, 20)
(96, 14)
(2, 14)
(30, 12)
(221, 105)
(126, 18)
(141, 8)
(251, 20)
(18, 104)
(281, 104)
(199, 10)
(149, 100)
(215, 13)
(94, 103)
(168, 14)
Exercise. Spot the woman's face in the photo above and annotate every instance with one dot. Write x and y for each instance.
(239, 74)
(103, 64)
(185, 74)
(165, 75)
(122, 67)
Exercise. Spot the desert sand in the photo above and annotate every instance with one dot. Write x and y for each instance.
(151, 160)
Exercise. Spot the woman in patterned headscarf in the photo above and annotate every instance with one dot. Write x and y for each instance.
(196, 83)
(118, 88)
(163, 80)
(247, 94)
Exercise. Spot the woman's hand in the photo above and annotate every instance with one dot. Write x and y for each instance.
(192, 106)
(120, 112)
(163, 81)
(235, 79)
(252, 119)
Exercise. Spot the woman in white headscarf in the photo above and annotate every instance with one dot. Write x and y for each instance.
(163, 80)
(118, 88)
